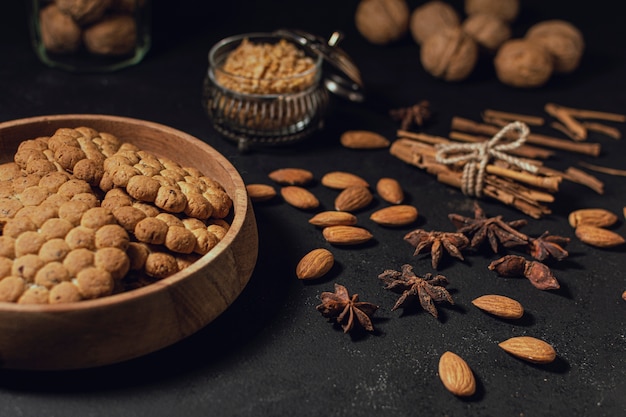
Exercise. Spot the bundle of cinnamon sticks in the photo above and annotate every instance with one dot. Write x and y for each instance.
(529, 192)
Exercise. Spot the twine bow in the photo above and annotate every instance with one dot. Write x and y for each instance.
(478, 155)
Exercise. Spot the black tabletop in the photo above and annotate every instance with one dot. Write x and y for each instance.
(271, 353)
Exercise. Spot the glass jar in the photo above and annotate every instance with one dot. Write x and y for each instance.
(90, 35)
(257, 100)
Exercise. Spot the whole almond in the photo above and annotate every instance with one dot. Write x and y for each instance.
(299, 197)
(315, 264)
(340, 180)
(592, 217)
(529, 349)
(353, 198)
(346, 235)
(399, 215)
(333, 218)
(456, 375)
(500, 306)
(389, 189)
(363, 139)
(291, 176)
(260, 192)
(597, 236)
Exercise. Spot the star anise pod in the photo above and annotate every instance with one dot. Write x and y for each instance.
(548, 245)
(346, 310)
(436, 241)
(493, 229)
(426, 290)
(539, 274)
(416, 114)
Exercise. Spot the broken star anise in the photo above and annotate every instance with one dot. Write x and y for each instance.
(548, 245)
(436, 241)
(346, 310)
(416, 114)
(539, 274)
(494, 229)
(426, 290)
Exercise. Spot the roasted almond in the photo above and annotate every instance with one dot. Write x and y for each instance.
(299, 197)
(353, 198)
(597, 236)
(592, 217)
(340, 180)
(363, 139)
(389, 189)
(529, 349)
(291, 176)
(260, 192)
(346, 235)
(399, 215)
(315, 264)
(456, 375)
(500, 306)
(333, 218)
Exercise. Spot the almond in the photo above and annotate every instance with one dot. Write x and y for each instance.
(353, 198)
(500, 306)
(363, 139)
(399, 215)
(529, 349)
(299, 197)
(315, 264)
(260, 192)
(291, 176)
(346, 235)
(592, 217)
(333, 218)
(389, 189)
(456, 375)
(597, 236)
(340, 180)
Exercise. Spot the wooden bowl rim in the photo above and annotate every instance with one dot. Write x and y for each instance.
(161, 285)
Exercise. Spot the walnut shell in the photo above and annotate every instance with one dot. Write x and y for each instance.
(507, 10)
(84, 12)
(382, 21)
(523, 63)
(432, 17)
(450, 54)
(489, 31)
(59, 33)
(563, 40)
(113, 35)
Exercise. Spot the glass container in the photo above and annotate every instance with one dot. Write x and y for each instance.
(90, 35)
(266, 103)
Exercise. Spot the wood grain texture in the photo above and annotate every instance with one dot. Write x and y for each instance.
(128, 325)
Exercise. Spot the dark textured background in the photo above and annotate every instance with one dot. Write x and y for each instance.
(271, 353)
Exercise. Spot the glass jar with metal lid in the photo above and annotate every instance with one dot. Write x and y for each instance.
(264, 89)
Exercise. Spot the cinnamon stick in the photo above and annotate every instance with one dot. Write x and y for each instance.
(529, 120)
(576, 129)
(593, 114)
(609, 131)
(470, 126)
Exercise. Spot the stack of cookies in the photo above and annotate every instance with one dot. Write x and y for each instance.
(84, 215)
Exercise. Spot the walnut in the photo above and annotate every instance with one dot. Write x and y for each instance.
(59, 33)
(563, 41)
(523, 63)
(489, 31)
(83, 11)
(432, 17)
(449, 54)
(507, 10)
(382, 21)
(113, 35)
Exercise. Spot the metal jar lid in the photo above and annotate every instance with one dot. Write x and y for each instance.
(345, 78)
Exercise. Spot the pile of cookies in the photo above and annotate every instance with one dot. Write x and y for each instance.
(84, 215)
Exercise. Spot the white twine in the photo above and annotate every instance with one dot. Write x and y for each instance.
(478, 155)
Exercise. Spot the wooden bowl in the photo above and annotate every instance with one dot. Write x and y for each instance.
(124, 326)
